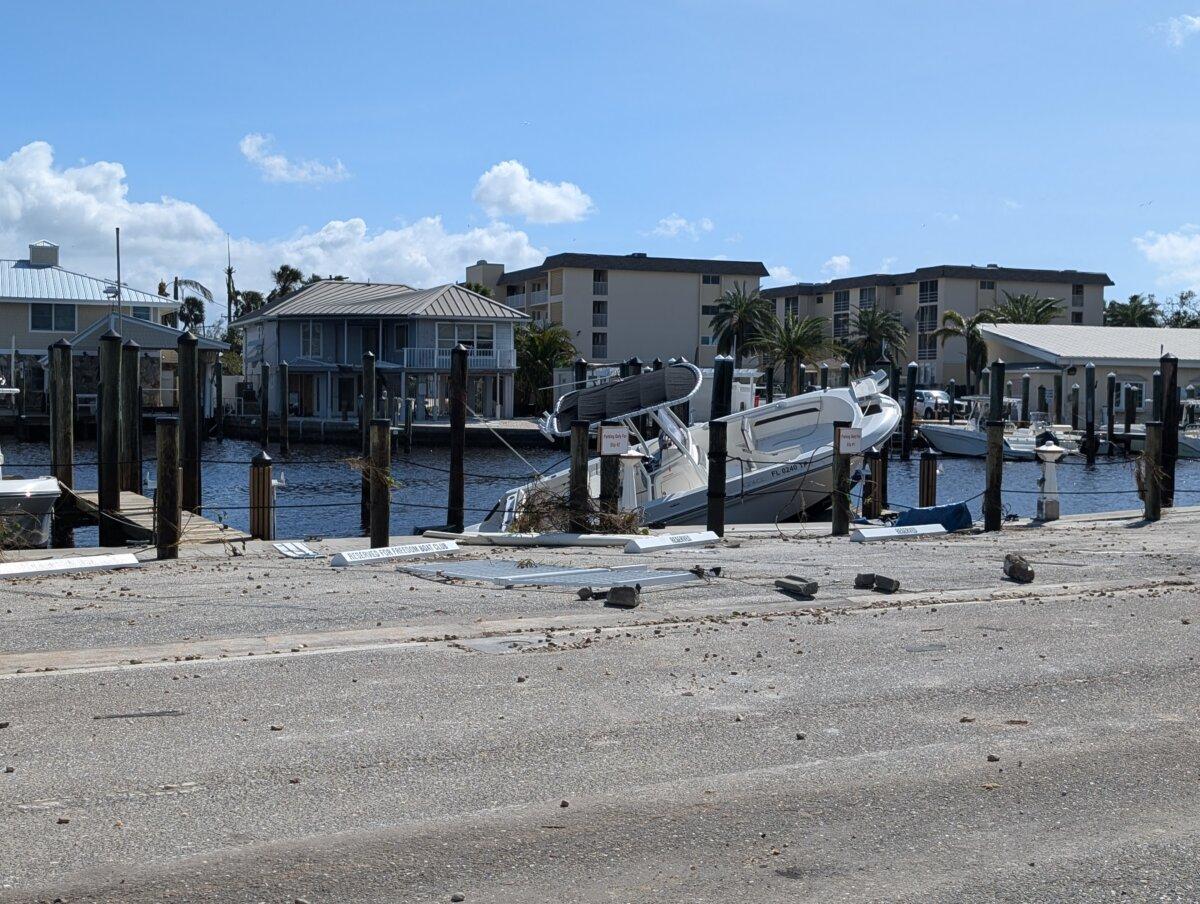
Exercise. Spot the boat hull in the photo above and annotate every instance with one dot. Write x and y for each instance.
(26, 506)
(968, 442)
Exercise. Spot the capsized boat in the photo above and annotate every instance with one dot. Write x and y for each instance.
(968, 438)
(26, 504)
(780, 456)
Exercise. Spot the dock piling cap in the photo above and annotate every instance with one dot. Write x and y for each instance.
(1050, 452)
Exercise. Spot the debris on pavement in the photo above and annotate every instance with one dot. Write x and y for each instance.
(1017, 568)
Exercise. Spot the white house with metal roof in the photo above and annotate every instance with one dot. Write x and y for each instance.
(1131, 353)
(323, 329)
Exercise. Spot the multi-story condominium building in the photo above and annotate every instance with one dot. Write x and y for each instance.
(620, 306)
(922, 296)
(323, 329)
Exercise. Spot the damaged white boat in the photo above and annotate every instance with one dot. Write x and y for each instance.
(780, 456)
(25, 505)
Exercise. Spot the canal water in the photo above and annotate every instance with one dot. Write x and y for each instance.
(320, 495)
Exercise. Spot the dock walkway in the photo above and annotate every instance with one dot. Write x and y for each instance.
(136, 516)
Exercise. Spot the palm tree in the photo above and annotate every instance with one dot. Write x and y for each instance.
(956, 326)
(1139, 310)
(191, 315)
(739, 320)
(794, 341)
(1027, 308)
(876, 334)
(1183, 311)
(541, 347)
(287, 280)
(478, 289)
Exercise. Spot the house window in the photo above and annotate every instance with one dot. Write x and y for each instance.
(927, 318)
(926, 347)
(927, 292)
(140, 312)
(711, 279)
(311, 335)
(599, 312)
(899, 290)
(841, 301)
(470, 335)
(791, 306)
(987, 285)
(866, 298)
(710, 310)
(841, 325)
(52, 317)
(400, 336)
(706, 340)
(1077, 295)
(1077, 316)
(599, 282)
(599, 345)
(1139, 394)
(820, 299)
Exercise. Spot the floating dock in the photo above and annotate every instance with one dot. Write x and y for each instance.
(136, 517)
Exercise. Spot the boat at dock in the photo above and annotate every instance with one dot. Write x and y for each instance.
(780, 455)
(968, 438)
(26, 504)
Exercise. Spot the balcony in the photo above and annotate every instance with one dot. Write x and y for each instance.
(439, 358)
(600, 288)
(599, 352)
(599, 320)
(539, 297)
(516, 301)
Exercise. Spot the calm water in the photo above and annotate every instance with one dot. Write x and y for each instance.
(321, 496)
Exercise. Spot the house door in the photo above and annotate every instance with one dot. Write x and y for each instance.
(370, 339)
(347, 398)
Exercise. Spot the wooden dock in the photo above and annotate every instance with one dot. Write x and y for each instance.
(136, 517)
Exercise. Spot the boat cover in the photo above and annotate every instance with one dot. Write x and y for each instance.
(954, 516)
(626, 397)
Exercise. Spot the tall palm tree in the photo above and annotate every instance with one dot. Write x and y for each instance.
(794, 341)
(958, 326)
(875, 334)
(541, 347)
(1139, 310)
(191, 315)
(1027, 308)
(287, 279)
(1183, 311)
(739, 320)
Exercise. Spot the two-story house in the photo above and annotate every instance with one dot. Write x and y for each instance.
(921, 297)
(617, 306)
(322, 330)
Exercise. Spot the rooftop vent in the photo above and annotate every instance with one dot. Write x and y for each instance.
(638, 254)
(993, 266)
(480, 262)
(43, 254)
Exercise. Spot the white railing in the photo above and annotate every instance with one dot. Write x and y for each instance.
(539, 297)
(599, 320)
(477, 358)
(516, 301)
(599, 288)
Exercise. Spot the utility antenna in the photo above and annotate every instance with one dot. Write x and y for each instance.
(118, 297)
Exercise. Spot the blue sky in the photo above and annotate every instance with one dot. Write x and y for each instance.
(818, 138)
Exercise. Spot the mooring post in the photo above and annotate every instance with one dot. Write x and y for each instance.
(284, 444)
(131, 417)
(1058, 398)
(993, 512)
(262, 497)
(927, 483)
(824, 371)
(722, 394)
(1130, 414)
(264, 406)
(788, 367)
(1089, 411)
(458, 437)
(381, 482)
(870, 487)
(577, 480)
(910, 401)
(1110, 410)
(951, 390)
(168, 501)
(369, 390)
(1024, 400)
(1169, 365)
(769, 380)
(410, 406)
(1075, 406)
(840, 502)
(579, 373)
(189, 419)
(610, 478)
(62, 438)
(845, 374)
(219, 398)
(109, 445)
(1152, 471)
(1043, 403)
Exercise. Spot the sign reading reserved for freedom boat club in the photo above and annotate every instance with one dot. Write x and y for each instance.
(387, 553)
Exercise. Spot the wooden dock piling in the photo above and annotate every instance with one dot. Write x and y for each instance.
(846, 374)
(1089, 412)
(168, 501)
(262, 497)
(824, 371)
(62, 438)
(458, 437)
(366, 415)
(1025, 400)
(993, 504)
(927, 479)
(285, 443)
(218, 399)
(1152, 471)
(1110, 410)
(109, 438)
(1058, 398)
(381, 488)
(577, 479)
(1169, 365)
(722, 393)
(951, 388)
(189, 419)
(610, 478)
(131, 417)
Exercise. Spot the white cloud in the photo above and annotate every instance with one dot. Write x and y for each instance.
(947, 217)
(507, 189)
(675, 226)
(1010, 204)
(885, 266)
(1176, 254)
(838, 265)
(256, 148)
(77, 207)
(781, 275)
(1179, 29)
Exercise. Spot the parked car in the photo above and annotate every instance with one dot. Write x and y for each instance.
(930, 404)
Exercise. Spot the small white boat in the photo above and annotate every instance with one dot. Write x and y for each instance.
(968, 438)
(780, 456)
(26, 504)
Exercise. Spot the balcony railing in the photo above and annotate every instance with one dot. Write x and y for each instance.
(439, 358)
(538, 297)
(599, 288)
(516, 301)
(599, 320)
(599, 351)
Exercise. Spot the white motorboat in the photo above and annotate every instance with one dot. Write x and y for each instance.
(968, 438)
(25, 505)
(780, 456)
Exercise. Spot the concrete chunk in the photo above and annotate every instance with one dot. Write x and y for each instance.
(797, 585)
(625, 597)
(1017, 568)
(884, 584)
(864, 580)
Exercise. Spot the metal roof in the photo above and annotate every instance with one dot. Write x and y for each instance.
(1077, 344)
(22, 281)
(331, 298)
(639, 262)
(150, 336)
(943, 271)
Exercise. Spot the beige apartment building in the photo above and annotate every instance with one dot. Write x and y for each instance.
(620, 306)
(923, 295)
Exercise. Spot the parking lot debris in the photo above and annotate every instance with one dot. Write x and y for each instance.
(1016, 568)
(624, 597)
(864, 580)
(797, 586)
(884, 584)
